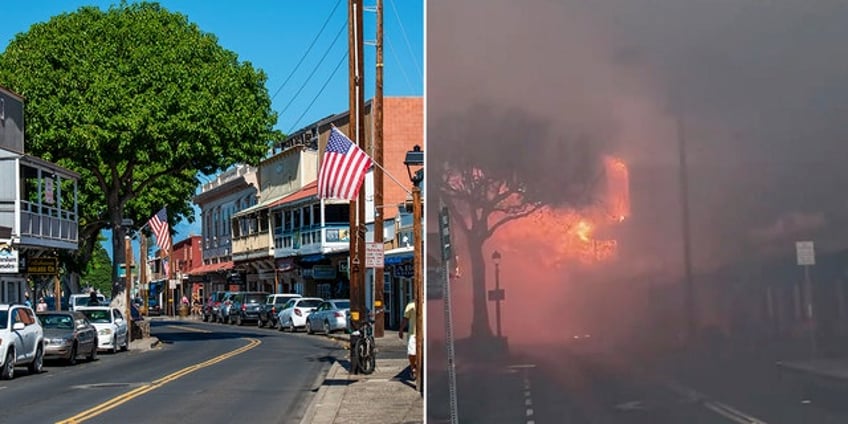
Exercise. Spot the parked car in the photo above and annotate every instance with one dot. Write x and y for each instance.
(21, 340)
(224, 309)
(294, 312)
(210, 308)
(246, 307)
(67, 335)
(80, 299)
(272, 306)
(112, 330)
(329, 316)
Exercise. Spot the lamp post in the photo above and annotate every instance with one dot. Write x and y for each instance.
(415, 158)
(497, 295)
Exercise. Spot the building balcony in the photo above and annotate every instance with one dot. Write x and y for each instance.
(330, 238)
(38, 208)
(252, 246)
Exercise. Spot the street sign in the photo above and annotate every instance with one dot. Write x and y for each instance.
(373, 255)
(42, 266)
(497, 295)
(444, 233)
(805, 251)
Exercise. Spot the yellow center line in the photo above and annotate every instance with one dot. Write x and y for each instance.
(197, 330)
(138, 391)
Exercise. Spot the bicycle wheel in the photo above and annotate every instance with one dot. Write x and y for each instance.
(365, 355)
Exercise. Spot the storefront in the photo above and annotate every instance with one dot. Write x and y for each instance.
(399, 288)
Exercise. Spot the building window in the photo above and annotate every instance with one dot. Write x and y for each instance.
(307, 217)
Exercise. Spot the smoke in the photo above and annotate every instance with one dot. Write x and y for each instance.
(759, 87)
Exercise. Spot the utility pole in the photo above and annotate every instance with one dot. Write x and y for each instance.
(417, 262)
(379, 319)
(142, 276)
(688, 288)
(128, 286)
(357, 134)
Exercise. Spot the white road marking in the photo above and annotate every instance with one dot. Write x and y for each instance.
(720, 408)
(528, 397)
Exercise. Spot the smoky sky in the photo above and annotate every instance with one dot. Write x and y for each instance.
(758, 89)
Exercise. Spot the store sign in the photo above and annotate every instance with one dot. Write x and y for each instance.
(42, 266)
(48, 191)
(8, 259)
(404, 270)
(337, 235)
(324, 272)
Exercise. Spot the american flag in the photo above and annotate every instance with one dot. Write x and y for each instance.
(343, 168)
(166, 267)
(159, 224)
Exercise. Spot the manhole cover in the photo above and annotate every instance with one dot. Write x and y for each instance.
(106, 385)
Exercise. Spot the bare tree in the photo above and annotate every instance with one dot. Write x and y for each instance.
(498, 166)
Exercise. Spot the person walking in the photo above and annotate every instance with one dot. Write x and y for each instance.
(409, 319)
(42, 305)
(27, 301)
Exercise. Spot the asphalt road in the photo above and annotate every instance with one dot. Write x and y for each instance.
(199, 373)
(559, 385)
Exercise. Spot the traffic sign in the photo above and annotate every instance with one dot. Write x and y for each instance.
(444, 233)
(497, 295)
(805, 252)
(374, 255)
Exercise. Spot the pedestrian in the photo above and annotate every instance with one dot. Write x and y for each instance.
(409, 319)
(92, 299)
(42, 305)
(27, 301)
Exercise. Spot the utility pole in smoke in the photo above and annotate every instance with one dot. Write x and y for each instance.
(688, 285)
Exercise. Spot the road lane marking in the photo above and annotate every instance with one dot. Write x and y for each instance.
(528, 398)
(720, 408)
(181, 327)
(132, 394)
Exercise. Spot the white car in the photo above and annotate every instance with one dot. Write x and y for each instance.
(294, 313)
(112, 333)
(21, 340)
(79, 300)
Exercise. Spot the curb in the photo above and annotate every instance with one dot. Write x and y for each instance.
(318, 399)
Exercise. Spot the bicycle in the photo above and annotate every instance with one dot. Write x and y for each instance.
(364, 348)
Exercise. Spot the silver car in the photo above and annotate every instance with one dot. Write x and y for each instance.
(68, 335)
(329, 316)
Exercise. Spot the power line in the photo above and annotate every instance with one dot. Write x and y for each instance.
(327, 21)
(408, 45)
(344, 56)
(400, 65)
(311, 74)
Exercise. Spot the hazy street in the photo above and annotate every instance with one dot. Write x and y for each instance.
(200, 373)
(553, 385)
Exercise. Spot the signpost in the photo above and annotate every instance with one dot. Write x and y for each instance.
(806, 256)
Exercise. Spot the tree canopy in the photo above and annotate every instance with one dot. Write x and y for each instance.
(98, 272)
(138, 100)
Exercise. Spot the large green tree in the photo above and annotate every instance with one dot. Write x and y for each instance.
(138, 100)
(98, 273)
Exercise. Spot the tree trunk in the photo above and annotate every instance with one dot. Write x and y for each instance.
(118, 255)
(480, 321)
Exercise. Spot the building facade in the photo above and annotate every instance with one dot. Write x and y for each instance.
(39, 214)
(231, 191)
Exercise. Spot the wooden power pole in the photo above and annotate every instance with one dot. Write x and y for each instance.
(356, 133)
(379, 302)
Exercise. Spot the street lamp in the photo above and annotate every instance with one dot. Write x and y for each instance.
(415, 158)
(497, 295)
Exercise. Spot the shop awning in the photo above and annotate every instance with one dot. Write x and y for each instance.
(205, 269)
(399, 255)
(312, 258)
(305, 192)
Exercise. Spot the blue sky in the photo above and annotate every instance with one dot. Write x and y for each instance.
(274, 36)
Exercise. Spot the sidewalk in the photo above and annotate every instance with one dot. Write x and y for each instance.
(385, 396)
(833, 369)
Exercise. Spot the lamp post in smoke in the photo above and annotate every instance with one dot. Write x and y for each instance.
(497, 295)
